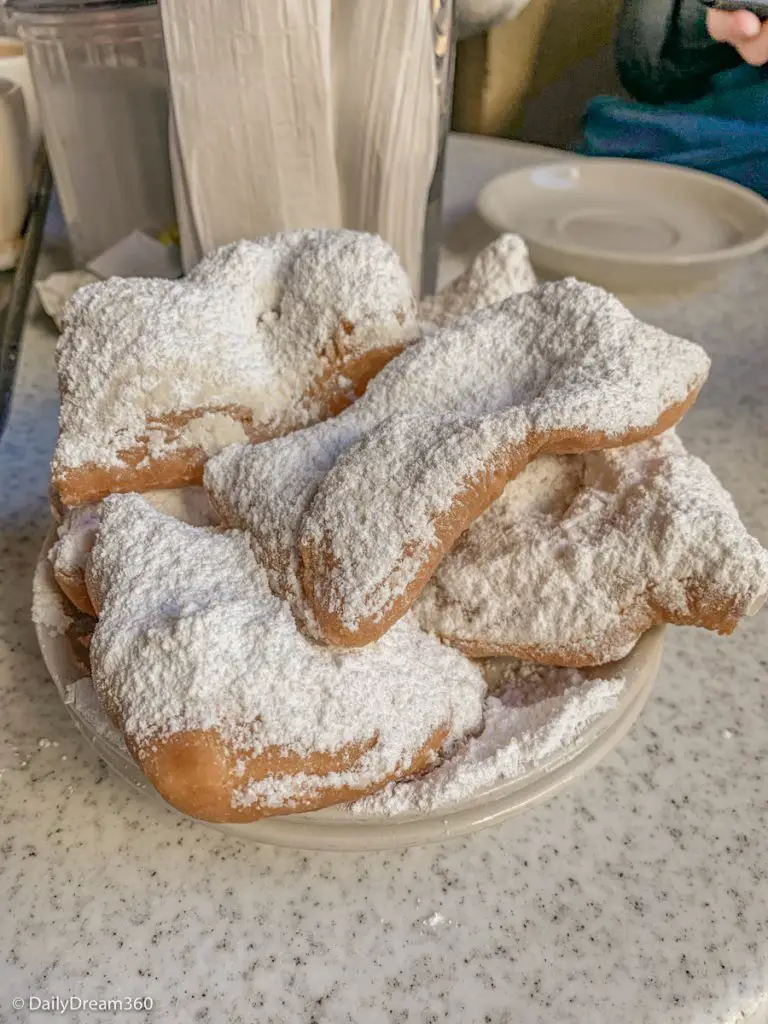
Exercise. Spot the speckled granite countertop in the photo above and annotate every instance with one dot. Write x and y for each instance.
(637, 896)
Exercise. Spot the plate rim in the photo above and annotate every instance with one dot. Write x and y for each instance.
(716, 256)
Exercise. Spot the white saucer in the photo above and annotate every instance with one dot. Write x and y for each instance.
(629, 225)
(338, 828)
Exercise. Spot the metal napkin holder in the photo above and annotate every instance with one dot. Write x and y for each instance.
(13, 315)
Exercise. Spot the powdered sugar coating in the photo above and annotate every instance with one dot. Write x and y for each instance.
(582, 553)
(566, 356)
(79, 526)
(380, 501)
(567, 353)
(532, 715)
(250, 329)
(191, 637)
(567, 360)
(265, 490)
(501, 269)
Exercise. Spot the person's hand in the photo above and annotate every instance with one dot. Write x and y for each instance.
(744, 31)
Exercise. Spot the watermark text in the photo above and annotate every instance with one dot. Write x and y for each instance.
(66, 1004)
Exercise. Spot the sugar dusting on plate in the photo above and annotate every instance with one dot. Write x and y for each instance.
(49, 606)
(531, 714)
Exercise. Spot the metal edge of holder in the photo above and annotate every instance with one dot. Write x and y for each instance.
(12, 324)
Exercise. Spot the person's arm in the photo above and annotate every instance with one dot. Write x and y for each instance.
(664, 52)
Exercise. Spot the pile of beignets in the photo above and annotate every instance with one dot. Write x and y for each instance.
(295, 508)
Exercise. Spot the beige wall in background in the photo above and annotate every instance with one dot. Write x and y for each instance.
(531, 78)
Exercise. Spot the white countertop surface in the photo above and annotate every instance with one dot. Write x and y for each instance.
(639, 895)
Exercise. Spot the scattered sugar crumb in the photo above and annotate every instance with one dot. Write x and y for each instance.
(435, 921)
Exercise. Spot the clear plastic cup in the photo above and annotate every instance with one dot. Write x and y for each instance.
(100, 77)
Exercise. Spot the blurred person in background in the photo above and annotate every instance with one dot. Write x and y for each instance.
(699, 79)
(671, 50)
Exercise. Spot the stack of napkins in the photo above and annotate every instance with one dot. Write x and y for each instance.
(286, 115)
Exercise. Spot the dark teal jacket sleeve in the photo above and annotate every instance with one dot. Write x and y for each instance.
(664, 53)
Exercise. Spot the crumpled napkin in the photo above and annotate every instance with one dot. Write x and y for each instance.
(136, 255)
(56, 291)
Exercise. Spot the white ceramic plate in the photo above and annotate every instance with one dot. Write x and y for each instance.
(337, 828)
(629, 225)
